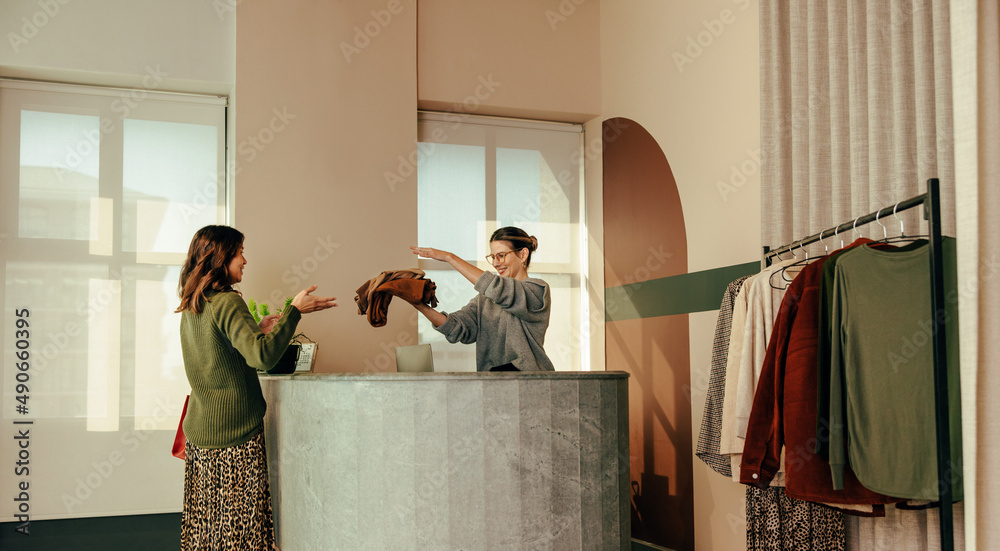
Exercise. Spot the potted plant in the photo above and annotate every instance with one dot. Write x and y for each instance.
(297, 350)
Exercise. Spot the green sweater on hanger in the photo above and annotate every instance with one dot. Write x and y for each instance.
(881, 381)
(223, 349)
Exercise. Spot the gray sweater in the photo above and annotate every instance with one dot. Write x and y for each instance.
(507, 320)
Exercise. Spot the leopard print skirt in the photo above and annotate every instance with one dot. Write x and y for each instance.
(227, 499)
(776, 522)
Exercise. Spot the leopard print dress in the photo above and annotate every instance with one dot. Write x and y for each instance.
(227, 499)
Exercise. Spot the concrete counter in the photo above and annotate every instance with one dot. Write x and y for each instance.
(470, 461)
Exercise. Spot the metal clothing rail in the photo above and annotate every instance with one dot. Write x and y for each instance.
(931, 200)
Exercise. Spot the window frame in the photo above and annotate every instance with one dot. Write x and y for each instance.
(125, 425)
(437, 127)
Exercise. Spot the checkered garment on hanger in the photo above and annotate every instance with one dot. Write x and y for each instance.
(711, 424)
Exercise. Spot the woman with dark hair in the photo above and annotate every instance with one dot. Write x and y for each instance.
(227, 501)
(508, 318)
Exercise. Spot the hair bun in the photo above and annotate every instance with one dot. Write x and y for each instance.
(534, 242)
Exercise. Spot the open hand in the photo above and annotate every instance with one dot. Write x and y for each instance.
(306, 303)
(427, 252)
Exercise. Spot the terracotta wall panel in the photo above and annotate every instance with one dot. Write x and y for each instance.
(644, 239)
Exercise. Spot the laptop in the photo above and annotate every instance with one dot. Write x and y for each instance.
(414, 359)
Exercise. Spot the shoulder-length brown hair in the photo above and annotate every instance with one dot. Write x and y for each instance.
(207, 265)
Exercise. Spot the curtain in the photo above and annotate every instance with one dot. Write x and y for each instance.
(976, 74)
(857, 113)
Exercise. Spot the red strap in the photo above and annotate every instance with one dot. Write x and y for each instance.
(180, 440)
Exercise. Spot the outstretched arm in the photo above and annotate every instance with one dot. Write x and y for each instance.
(469, 271)
(436, 318)
(306, 302)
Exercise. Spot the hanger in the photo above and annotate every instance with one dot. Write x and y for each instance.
(826, 249)
(902, 237)
(885, 232)
(777, 257)
(799, 262)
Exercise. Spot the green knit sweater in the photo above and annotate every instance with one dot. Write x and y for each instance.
(223, 348)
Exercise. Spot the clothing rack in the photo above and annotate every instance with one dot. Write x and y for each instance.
(931, 200)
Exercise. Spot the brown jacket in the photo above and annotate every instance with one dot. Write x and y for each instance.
(374, 295)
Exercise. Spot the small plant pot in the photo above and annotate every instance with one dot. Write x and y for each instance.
(287, 362)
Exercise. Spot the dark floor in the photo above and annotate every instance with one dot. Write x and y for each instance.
(137, 532)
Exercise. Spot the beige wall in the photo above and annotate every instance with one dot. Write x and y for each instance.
(702, 107)
(542, 58)
(705, 114)
(326, 108)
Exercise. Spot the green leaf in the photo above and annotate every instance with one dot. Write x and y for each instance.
(252, 304)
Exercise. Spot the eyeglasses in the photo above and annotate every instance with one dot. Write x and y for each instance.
(498, 256)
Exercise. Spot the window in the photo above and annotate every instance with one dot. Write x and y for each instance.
(102, 191)
(477, 174)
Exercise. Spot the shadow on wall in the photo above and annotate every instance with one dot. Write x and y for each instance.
(644, 240)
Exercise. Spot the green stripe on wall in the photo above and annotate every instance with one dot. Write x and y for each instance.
(667, 296)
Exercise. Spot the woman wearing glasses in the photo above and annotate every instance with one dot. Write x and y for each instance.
(508, 318)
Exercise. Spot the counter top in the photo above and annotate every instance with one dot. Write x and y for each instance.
(442, 376)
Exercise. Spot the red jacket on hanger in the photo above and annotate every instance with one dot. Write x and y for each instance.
(786, 400)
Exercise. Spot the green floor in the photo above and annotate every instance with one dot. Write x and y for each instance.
(138, 532)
